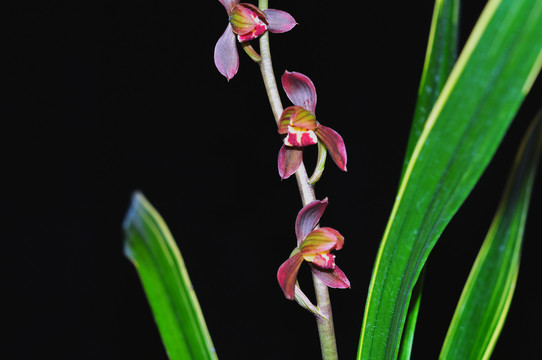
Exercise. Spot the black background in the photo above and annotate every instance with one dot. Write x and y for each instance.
(101, 99)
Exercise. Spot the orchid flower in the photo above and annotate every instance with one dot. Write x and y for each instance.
(246, 22)
(299, 124)
(314, 246)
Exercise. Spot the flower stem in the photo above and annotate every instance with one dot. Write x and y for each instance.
(266, 67)
(326, 331)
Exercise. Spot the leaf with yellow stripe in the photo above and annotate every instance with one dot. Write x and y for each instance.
(486, 297)
(494, 72)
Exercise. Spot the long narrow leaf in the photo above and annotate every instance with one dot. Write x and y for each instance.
(482, 94)
(486, 297)
(439, 60)
(152, 249)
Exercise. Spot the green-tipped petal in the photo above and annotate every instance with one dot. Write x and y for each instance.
(284, 121)
(320, 241)
(303, 118)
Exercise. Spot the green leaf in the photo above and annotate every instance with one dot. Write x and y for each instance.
(439, 60)
(486, 297)
(463, 130)
(412, 317)
(152, 249)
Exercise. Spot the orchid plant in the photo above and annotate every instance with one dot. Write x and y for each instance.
(464, 107)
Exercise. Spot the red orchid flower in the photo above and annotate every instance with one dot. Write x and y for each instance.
(299, 124)
(246, 22)
(313, 246)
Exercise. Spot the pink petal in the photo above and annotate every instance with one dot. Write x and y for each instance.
(334, 144)
(334, 279)
(226, 56)
(229, 4)
(308, 218)
(279, 21)
(300, 90)
(287, 275)
(289, 160)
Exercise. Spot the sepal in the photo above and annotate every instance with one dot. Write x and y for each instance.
(229, 5)
(300, 90)
(334, 144)
(226, 55)
(287, 274)
(289, 160)
(279, 21)
(308, 217)
(334, 279)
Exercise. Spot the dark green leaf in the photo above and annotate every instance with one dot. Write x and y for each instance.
(439, 60)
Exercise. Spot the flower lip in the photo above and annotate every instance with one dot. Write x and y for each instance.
(324, 261)
(298, 123)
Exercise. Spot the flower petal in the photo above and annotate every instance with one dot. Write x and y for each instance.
(303, 118)
(338, 236)
(287, 275)
(229, 4)
(334, 279)
(308, 218)
(300, 90)
(284, 121)
(319, 241)
(334, 144)
(279, 21)
(289, 160)
(226, 56)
